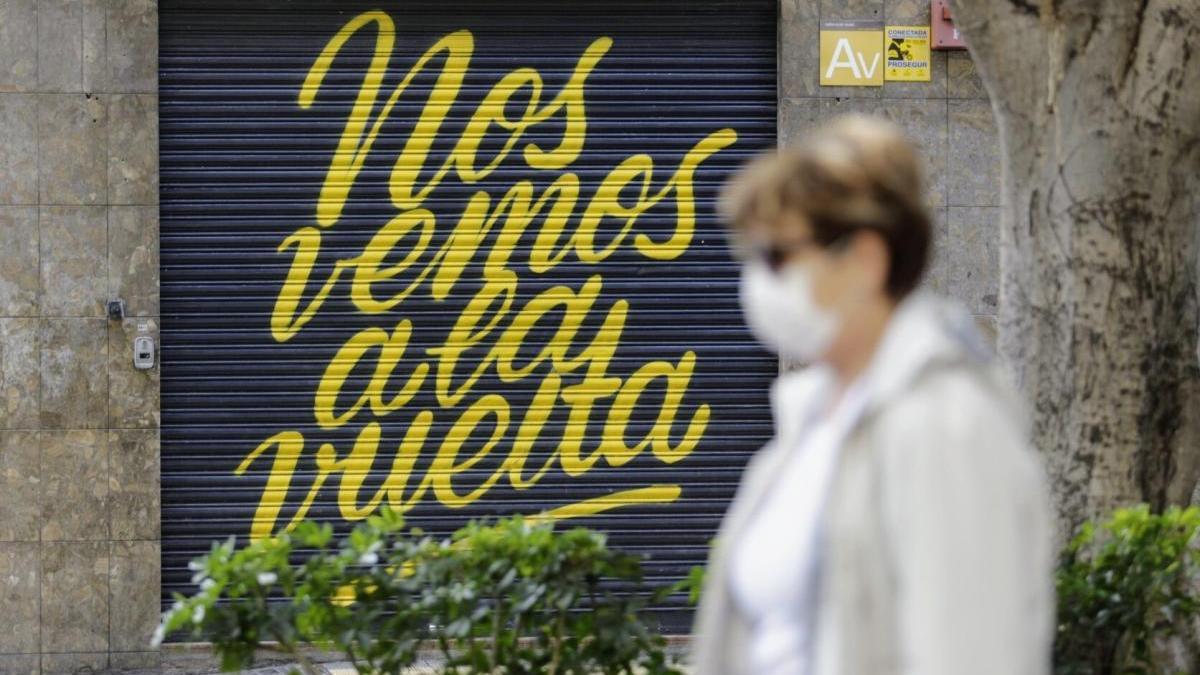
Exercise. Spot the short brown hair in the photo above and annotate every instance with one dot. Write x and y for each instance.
(853, 174)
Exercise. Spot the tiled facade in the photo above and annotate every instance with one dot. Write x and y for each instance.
(949, 116)
(79, 509)
(79, 501)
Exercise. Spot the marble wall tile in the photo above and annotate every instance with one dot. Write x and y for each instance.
(975, 271)
(799, 48)
(83, 663)
(18, 45)
(963, 80)
(20, 664)
(60, 45)
(18, 148)
(72, 147)
(20, 373)
(74, 379)
(20, 485)
(133, 149)
(133, 484)
(937, 267)
(19, 276)
(74, 496)
(134, 582)
(74, 243)
(797, 116)
(20, 570)
(133, 258)
(924, 120)
(925, 123)
(120, 43)
(906, 12)
(74, 593)
(974, 170)
(94, 43)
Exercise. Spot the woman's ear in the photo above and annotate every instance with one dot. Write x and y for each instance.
(868, 254)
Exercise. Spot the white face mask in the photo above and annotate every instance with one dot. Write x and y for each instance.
(782, 314)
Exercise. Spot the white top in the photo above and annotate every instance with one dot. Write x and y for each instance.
(774, 570)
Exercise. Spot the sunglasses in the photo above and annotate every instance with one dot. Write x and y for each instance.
(775, 255)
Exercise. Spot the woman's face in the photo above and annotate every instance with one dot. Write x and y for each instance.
(846, 278)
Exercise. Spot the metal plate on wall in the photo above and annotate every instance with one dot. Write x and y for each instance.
(462, 258)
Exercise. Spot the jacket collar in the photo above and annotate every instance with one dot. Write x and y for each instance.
(923, 332)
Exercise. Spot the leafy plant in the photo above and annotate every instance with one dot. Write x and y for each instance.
(693, 583)
(1124, 588)
(510, 597)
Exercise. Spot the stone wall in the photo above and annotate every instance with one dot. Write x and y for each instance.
(79, 514)
(79, 503)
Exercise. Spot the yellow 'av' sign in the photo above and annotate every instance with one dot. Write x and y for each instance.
(907, 53)
(852, 53)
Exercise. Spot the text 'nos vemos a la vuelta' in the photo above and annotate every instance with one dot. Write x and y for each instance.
(399, 262)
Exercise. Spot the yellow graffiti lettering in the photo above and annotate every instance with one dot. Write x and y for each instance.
(596, 384)
(352, 147)
(284, 322)
(356, 466)
(369, 265)
(638, 171)
(391, 350)
(546, 252)
(361, 129)
(356, 140)
(288, 446)
(659, 439)
(685, 203)
(571, 100)
(575, 308)
(530, 430)
(474, 267)
(467, 333)
(446, 464)
(491, 111)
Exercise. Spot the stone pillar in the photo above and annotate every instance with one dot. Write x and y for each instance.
(79, 477)
(949, 117)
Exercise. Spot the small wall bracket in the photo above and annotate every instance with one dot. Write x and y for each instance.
(116, 309)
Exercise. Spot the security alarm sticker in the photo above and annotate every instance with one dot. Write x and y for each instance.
(907, 53)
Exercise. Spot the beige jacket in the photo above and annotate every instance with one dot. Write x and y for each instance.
(937, 557)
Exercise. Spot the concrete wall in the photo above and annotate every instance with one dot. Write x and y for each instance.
(79, 523)
(79, 504)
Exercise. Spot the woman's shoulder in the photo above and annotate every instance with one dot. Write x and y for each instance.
(962, 418)
(956, 398)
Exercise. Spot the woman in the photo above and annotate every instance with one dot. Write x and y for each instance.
(898, 521)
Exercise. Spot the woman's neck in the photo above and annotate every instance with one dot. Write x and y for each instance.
(858, 342)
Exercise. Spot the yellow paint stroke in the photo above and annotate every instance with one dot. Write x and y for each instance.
(654, 494)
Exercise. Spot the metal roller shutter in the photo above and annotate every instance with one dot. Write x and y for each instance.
(595, 297)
